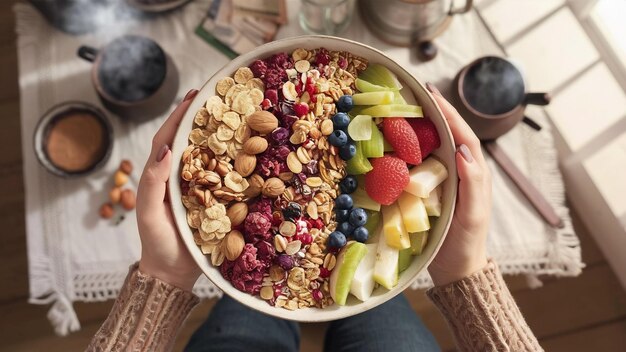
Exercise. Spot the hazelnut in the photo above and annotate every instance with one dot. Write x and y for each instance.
(273, 187)
(126, 166)
(237, 213)
(115, 194)
(120, 178)
(232, 245)
(106, 211)
(127, 199)
(255, 184)
(245, 164)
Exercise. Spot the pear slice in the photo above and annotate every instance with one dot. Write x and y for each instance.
(425, 177)
(343, 273)
(393, 227)
(363, 282)
(404, 259)
(386, 267)
(433, 202)
(413, 211)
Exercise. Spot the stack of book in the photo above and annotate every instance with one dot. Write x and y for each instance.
(238, 26)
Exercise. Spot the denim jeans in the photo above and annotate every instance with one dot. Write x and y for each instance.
(392, 326)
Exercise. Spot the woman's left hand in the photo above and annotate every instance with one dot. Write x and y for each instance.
(163, 254)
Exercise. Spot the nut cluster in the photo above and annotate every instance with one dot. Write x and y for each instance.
(125, 197)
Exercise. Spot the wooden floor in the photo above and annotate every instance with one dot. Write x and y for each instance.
(587, 313)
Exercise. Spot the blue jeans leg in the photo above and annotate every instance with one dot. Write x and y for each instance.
(234, 327)
(392, 326)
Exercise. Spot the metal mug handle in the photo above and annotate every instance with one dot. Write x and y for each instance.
(460, 10)
(87, 53)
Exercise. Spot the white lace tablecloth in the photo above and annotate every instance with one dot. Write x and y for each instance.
(73, 256)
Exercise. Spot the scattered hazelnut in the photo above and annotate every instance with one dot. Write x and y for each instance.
(106, 211)
(127, 199)
(120, 178)
(126, 166)
(115, 194)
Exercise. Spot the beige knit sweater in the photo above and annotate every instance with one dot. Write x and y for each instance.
(483, 316)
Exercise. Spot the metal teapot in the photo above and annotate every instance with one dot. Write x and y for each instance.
(411, 22)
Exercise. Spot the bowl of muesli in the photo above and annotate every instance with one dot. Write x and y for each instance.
(316, 178)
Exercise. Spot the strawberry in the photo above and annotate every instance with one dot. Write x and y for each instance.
(426, 135)
(388, 178)
(403, 139)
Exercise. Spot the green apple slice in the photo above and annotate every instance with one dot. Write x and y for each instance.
(413, 211)
(425, 177)
(398, 98)
(373, 220)
(386, 267)
(365, 86)
(380, 75)
(373, 98)
(360, 128)
(358, 164)
(363, 281)
(418, 242)
(394, 110)
(433, 202)
(343, 273)
(375, 146)
(404, 259)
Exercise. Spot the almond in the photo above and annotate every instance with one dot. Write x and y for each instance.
(262, 121)
(273, 187)
(237, 213)
(245, 164)
(255, 185)
(232, 245)
(255, 145)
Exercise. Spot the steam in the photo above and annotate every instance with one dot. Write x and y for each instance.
(493, 86)
(109, 17)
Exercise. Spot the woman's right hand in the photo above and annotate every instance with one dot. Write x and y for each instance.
(464, 249)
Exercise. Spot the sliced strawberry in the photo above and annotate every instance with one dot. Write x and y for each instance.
(426, 135)
(403, 139)
(388, 178)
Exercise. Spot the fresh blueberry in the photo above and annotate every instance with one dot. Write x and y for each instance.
(358, 217)
(341, 121)
(338, 138)
(360, 234)
(348, 184)
(336, 239)
(342, 215)
(344, 201)
(344, 104)
(292, 211)
(348, 151)
(345, 228)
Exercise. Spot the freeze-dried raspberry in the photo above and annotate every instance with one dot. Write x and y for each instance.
(265, 253)
(274, 78)
(322, 57)
(257, 224)
(263, 206)
(258, 68)
(245, 272)
(280, 60)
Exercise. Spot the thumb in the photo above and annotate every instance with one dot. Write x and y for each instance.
(152, 186)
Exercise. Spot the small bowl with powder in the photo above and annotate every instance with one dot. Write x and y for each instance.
(73, 139)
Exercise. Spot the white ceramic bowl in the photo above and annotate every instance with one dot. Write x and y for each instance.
(411, 88)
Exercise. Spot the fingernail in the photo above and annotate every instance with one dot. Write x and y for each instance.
(162, 152)
(465, 153)
(192, 93)
(431, 88)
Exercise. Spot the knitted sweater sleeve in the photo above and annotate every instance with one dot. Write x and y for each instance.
(146, 316)
(482, 314)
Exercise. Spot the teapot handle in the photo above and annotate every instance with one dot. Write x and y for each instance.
(458, 11)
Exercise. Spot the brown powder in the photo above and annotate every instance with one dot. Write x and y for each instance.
(75, 141)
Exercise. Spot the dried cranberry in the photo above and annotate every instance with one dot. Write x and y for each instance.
(288, 120)
(306, 238)
(282, 152)
(266, 104)
(285, 261)
(310, 88)
(266, 253)
(310, 168)
(278, 290)
(342, 62)
(280, 135)
(259, 68)
(317, 295)
(277, 218)
(299, 88)
(324, 273)
(272, 96)
(317, 223)
(301, 109)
